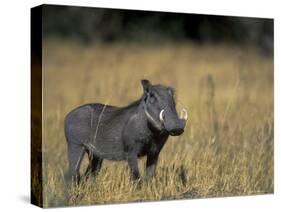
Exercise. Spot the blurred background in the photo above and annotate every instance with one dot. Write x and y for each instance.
(222, 70)
(97, 25)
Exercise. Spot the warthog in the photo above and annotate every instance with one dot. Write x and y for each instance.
(123, 133)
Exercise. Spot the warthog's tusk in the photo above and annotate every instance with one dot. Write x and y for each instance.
(184, 114)
(152, 120)
(161, 116)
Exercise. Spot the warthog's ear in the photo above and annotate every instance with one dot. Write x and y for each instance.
(146, 86)
(171, 91)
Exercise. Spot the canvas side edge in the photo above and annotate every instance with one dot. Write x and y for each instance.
(36, 107)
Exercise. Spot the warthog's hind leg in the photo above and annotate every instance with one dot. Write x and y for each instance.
(94, 166)
(75, 156)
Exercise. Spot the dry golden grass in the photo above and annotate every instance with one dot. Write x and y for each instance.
(227, 147)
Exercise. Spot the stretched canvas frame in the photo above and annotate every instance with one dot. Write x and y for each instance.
(238, 155)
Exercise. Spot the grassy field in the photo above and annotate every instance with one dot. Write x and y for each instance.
(227, 147)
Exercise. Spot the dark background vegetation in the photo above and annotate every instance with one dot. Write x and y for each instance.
(99, 25)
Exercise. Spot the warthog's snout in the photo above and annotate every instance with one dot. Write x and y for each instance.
(178, 129)
(175, 128)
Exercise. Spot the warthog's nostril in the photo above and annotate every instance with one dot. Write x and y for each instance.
(176, 131)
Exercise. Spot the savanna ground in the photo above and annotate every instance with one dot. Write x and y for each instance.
(226, 149)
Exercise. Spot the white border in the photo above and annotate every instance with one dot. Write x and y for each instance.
(15, 99)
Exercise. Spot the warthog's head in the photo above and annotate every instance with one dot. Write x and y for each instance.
(160, 108)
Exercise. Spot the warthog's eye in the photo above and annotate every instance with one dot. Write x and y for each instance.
(152, 98)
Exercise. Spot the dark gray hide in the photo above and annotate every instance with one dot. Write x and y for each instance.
(123, 133)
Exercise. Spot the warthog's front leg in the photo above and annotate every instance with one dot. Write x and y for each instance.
(133, 164)
(151, 163)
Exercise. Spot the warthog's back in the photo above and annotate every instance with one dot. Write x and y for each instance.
(98, 127)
